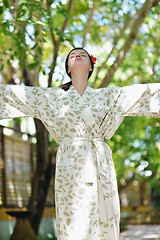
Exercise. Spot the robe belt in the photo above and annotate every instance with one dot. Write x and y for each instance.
(72, 139)
(106, 209)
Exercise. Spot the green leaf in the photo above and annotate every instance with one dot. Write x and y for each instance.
(33, 65)
(1, 67)
(40, 50)
(1, 9)
(6, 4)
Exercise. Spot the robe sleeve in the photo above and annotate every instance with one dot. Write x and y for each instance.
(135, 100)
(19, 101)
(140, 100)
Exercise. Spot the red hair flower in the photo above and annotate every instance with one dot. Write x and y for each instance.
(94, 59)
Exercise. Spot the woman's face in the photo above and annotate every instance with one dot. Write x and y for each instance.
(79, 58)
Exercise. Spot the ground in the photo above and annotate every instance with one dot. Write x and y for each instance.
(142, 232)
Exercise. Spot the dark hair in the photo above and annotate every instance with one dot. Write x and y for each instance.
(67, 85)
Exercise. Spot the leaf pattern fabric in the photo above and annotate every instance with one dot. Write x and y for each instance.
(87, 203)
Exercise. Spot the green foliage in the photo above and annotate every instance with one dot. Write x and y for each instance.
(49, 236)
(136, 150)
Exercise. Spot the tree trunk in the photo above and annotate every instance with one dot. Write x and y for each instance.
(42, 176)
(142, 192)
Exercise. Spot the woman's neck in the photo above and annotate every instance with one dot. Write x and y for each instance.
(80, 83)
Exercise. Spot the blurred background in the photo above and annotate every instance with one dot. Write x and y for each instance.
(35, 37)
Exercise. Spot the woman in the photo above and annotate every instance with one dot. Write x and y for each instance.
(80, 119)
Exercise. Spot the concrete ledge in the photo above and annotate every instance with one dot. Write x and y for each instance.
(49, 212)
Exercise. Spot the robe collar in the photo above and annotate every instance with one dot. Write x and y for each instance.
(86, 91)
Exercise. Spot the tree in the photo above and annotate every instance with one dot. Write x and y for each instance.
(35, 36)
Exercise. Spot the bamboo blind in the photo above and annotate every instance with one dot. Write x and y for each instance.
(17, 161)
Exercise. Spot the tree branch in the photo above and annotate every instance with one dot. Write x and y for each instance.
(67, 18)
(122, 53)
(88, 24)
(37, 53)
(53, 65)
(56, 44)
(127, 24)
(50, 23)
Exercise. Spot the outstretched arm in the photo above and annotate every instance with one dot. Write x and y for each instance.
(141, 100)
(19, 101)
(135, 100)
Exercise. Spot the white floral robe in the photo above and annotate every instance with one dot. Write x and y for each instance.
(87, 203)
